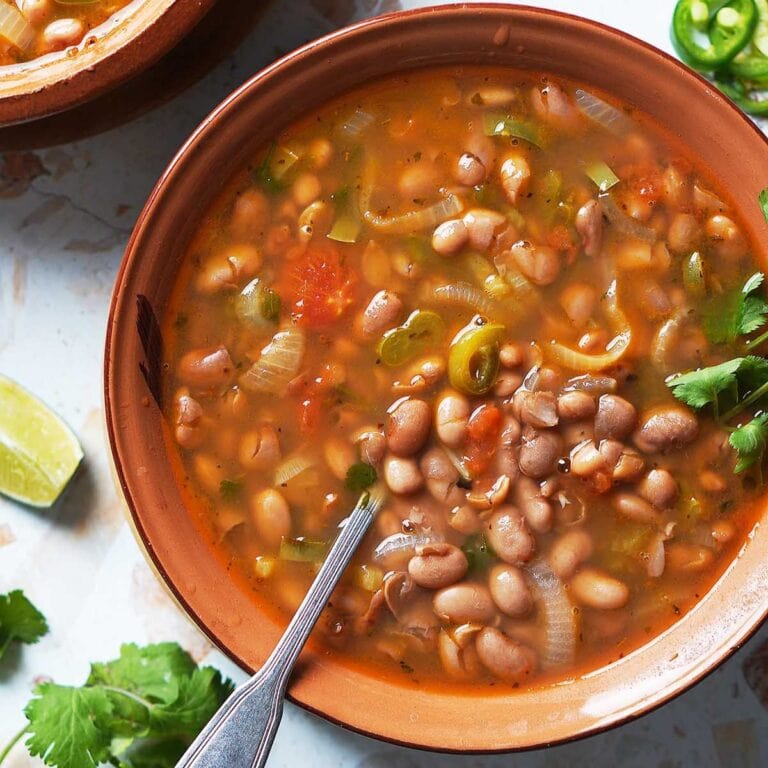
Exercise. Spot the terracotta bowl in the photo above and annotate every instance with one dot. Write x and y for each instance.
(117, 50)
(489, 34)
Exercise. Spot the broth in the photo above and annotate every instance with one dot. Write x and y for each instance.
(468, 286)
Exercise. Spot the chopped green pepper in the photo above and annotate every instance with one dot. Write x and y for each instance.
(728, 28)
(496, 124)
(693, 275)
(301, 550)
(601, 174)
(421, 332)
(743, 97)
(479, 554)
(473, 360)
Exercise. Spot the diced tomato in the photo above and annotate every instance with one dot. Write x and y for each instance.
(643, 179)
(559, 238)
(322, 287)
(483, 432)
(312, 404)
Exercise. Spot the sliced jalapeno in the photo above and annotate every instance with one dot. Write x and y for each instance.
(728, 27)
(473, 361)
(743, 97)
(420, 333)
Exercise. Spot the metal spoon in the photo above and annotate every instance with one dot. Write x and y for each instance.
(241, 733)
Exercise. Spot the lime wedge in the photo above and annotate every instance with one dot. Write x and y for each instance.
(38, 451)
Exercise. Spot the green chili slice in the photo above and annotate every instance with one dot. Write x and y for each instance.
(420, 333)
(727, 29)
(473, 360)
(496, 124)
(693, 275)
(301, 550)
(743, 97)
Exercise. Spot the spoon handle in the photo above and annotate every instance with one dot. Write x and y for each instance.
(241, 733)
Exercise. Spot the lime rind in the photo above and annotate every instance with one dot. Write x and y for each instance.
(38, 452)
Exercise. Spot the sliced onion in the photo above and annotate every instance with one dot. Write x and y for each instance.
(581, 361)
(656, 561)
(356, 123)
(626, 225)
(15, 28)
(560, 622)
(279, 362)
(292, 467)
(664, 341)
(602, 112)
(522, 288)
(465, 295)
(403, 542)
(413, 221)
(591, 384)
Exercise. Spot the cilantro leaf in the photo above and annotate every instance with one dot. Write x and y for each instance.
(701, 387)
(762, 198)
(749, 441)
(736, 312)
(360, 476)
(141, 710)
(20, 621)
(753, 373)
(230, 489)
(68, 726)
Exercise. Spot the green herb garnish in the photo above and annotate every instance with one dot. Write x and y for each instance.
(360, 476)
(736, 312)
(141, 709)
(479, 554)
(20, 621)
(749, 442)
(230, 489)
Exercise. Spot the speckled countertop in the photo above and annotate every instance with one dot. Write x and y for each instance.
(65, 216)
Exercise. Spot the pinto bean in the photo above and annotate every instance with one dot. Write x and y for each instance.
(629, 466)
(451, 418)
(539, 452)
(586, 459)
(465, 519)
(569, 551)
(36, 11)
(511, 355)
(551, 104)
(259, 448)
(659, 488)
(712, 482)
(408, 427)
(668, 426)
(575, 406)
(481, 224)
(536, 509)
(589, 224)
(383, 312)
(596, 589)
(373, 445)
(63, 32)
(464, 602)
(506, 384)
(578, 302)
(539, 263)
(727, 238)
(510, 591)
(439, 565)
(470, 170)
(504, 657)
(250, 214)
(688, 558)
(615, 418)
(187, 416)
(206, 368)
(271, 516)
(419, 180)
(450, 237)
(441, 477)
(461, 663)
(515, 173)
(228, 269)
(635, 508)
(683, 233)
(402, 475)
(509, 536)
(538, 409)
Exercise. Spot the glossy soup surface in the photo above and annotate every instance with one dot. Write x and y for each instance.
(420, 285)
(31, 28)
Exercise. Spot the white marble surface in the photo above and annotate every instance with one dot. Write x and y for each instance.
(65, 215)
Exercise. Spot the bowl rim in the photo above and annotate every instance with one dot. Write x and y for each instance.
(60, 84)
(671, 690)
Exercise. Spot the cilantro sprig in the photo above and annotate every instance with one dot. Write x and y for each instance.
(20, 621)
(142, 709)
(737, 312)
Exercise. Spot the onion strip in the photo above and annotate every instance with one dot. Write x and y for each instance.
(278, 363)
(402, 542)
(465, 295)
(14, 27)
(625, 224)
(560, 623)
(617, 347)
(602, 112)
(410, 221)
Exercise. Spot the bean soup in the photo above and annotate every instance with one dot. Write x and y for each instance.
(473, 289)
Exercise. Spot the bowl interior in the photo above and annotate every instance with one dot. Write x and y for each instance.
(126, 43)
(689, 108)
